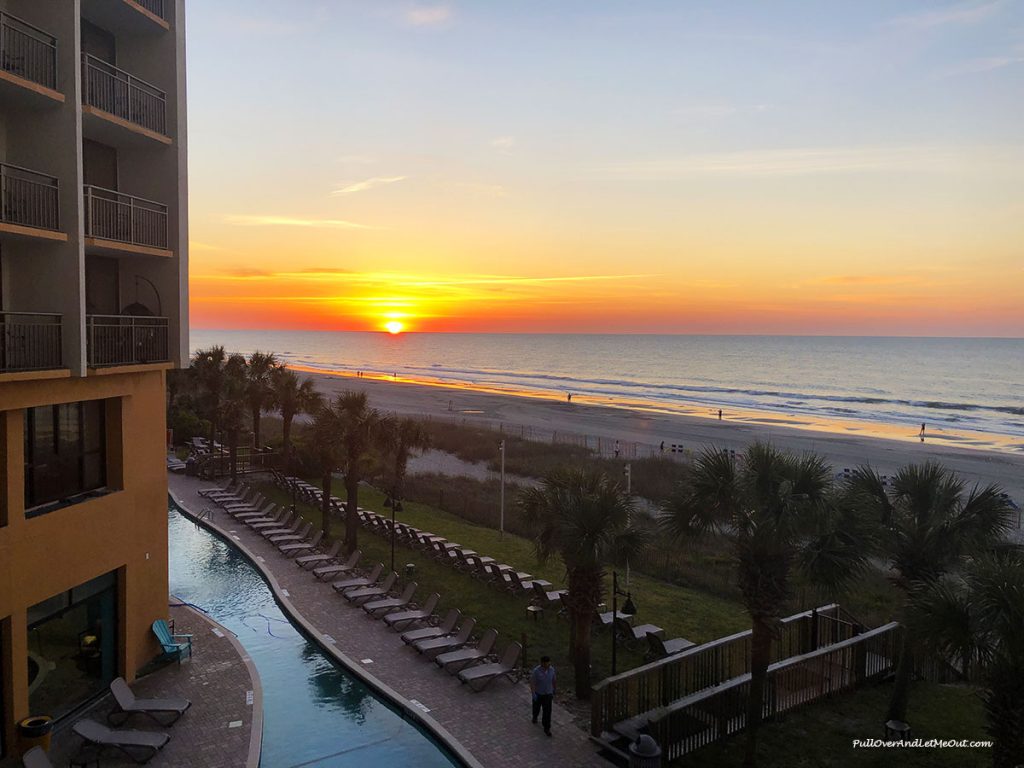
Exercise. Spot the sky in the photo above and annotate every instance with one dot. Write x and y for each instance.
(608, 166)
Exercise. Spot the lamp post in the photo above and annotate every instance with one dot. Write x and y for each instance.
(628, 609)
(628, 472)
(501, 514)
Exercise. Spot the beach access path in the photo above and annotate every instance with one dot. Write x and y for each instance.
(493, 725)
(842, 449)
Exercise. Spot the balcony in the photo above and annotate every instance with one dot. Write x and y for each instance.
(121, 101)
(118, 223)
(129, 17)
(126, 340)
(156, 7)
(28, 58)
(30, 341)
(29, 204)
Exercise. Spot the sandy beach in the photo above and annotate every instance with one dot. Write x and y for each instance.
(648, 430)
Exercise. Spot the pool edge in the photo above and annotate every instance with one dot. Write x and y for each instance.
(407, 709)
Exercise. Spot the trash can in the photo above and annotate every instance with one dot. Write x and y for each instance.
(34, 732)
(644, 753)
(410, 570)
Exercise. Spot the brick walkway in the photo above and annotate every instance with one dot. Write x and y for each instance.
(220, 730)
(493, 725)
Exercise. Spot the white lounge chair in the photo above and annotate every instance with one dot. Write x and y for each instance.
(507, 666)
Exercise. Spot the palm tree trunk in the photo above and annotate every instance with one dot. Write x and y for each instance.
(233, 449)
(901, 686)
(760, 657)
(256, 412)
(1004, 713)
(325, 504)
(351, 517)
(584, 589)
(286, 440)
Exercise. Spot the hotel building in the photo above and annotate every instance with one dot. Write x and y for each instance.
(93, 313)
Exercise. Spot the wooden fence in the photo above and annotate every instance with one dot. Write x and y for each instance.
(633, 694)
(712, 714)
(247, 461)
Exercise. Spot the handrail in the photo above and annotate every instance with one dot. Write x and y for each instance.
(127, 340)
(122, 94)
(113, 215)
(156, 7)
(30, 341)
(29, 198)
(27, 51)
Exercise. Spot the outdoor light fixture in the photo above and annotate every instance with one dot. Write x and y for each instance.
(628, 609)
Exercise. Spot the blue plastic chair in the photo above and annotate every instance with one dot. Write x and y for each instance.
(169, 642)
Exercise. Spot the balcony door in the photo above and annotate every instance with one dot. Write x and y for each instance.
(99, 164)
(102, 286)
(97, 42)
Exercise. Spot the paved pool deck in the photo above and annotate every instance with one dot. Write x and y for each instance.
(222, 729)
(491, 728)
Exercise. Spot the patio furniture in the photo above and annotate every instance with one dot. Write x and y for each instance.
(302, 546)
(320, 557)
(130, 742)
(333, 570)
(445, 627)
(170, 642)
(391, 603)
(128, 705)
(544, 597)
(431, 647)
(266, 525)
(291, 538)
(483, 674)
(453, 661)
(658, 648)
(636, 634)
(359, 581)
(407, 617)
(36, 758)
(361, 595)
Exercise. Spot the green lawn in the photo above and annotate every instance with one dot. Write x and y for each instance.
(821, 736)
(682, 612)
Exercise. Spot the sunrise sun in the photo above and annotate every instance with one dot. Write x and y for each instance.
(394, 327)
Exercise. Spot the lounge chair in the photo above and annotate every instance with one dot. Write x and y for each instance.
(445, 627)
(363, 594)
(273, 522)
(128, 705)
(375, 607)
(605, 618)
(36, 758)
(545, 597)
(292, 538)
(360, 581)
(301, 546)
(453, 661)
(325, 571)
(659, 649)
(508, 666)
(231, 489)
(130, 742)
(435, 645)
(265, 515)
(396, 620)
(170, 642)
(635, 634)
(253, 501)
(320, 557)
(283, 530)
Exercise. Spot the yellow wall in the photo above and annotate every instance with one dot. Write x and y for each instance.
(125, 530)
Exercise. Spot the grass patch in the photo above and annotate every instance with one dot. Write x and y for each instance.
(821, 736)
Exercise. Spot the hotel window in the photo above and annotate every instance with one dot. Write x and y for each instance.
(65, 454)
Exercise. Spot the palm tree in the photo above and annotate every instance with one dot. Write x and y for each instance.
(774, 507)
(357, 431)
(208, 365)
(976, 618)
(259, 393)
(584, 518)
(929, 525)
(327, 453)
(232, 405)
(400, 437)
(291, 398)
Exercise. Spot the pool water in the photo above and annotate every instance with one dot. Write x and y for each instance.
(315, 714)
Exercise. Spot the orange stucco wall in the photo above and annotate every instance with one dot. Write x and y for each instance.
(125, 530)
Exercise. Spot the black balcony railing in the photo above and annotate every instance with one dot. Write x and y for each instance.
(126, 340)
(156, 7)
(27, 52)
(109, 215)
(28, 198)
(113, 90)
(30, 341)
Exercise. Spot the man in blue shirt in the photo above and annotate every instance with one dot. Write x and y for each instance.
(542, 686)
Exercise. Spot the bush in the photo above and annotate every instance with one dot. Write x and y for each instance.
(186, 425)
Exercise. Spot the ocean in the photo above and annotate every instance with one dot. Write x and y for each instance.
(966, 391)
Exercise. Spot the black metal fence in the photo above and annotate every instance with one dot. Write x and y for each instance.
(156, 7)
(126, 340)
(110, 215)
(113, 90)
(30, 341)
(28, 198)
(27, 52)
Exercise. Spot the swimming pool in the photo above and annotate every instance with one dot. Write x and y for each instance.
(315, 713)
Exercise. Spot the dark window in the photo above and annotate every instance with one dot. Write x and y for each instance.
(65, 453)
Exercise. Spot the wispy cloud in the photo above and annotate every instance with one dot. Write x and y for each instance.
(503, 143)
(817, 160)
(988, 64)
(428, 15)
(365, 184)
(961, 13)
(288, 221)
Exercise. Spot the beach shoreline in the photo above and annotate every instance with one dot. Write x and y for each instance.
(648, 429)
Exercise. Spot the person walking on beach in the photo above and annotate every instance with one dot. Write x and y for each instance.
(616, 449)
(719, 414)
(661, 449)
(542, 686)
(922, 432)
(568, 397)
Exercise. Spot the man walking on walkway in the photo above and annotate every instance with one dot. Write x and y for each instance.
(542, 686)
